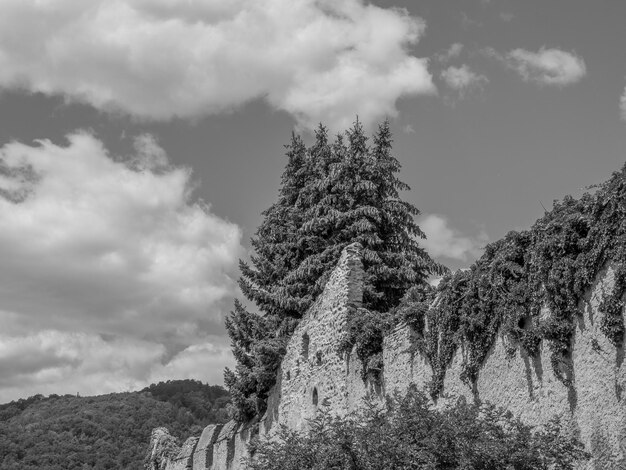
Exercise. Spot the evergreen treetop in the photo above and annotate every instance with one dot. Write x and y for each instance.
(332, 194)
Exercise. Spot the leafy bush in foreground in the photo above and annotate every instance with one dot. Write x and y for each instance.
(411, 434)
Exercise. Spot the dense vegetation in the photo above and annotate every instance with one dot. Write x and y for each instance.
(551, 265)
(332, 194)
(410, 434)
(103, 432)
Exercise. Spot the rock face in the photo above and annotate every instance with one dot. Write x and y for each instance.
(313, 371)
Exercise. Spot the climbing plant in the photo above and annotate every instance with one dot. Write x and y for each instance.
(529, 287)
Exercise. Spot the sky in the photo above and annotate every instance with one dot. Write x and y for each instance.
(141, 139)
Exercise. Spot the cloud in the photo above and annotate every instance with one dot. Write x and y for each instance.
(104, 258)
(63, 362)
(462, 78)
(447, 242)
(453, 52)
(545, 67)
(318, 60)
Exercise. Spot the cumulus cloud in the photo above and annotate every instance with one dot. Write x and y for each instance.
(105, 260)
(53, 361)
(546, 67)
(462, 78)
(447, 242)
(318, 60)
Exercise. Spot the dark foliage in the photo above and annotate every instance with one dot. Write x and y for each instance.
(551, 265)
(258, 349)
(331, 195)
(103, 432)
(410, 434)
(366, 330)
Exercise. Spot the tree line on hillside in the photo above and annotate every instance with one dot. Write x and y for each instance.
(103, 432)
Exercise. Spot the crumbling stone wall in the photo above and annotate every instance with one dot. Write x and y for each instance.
(313, 371)
(203, 453)
(184, 459)
(220, 447)
(593, 408)
(162, 449)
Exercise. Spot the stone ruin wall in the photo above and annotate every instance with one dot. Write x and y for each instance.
(594, 409)
(317, 369)
(313, 370)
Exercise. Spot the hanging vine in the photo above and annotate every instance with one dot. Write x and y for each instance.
(528, 287)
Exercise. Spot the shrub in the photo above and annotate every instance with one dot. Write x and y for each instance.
(410, 434)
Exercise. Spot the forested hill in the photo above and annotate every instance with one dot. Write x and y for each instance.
(103, 432)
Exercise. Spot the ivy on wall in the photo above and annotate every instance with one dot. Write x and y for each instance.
(528, 287)
(365, 332)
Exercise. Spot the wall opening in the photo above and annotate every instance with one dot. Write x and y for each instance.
(315, 396)
(318, 358)
(288, 375)
(305, 345)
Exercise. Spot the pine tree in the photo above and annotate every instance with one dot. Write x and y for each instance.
(275, 243)
(357, 199)
(258, 352)
(331, 195)
(258, 341)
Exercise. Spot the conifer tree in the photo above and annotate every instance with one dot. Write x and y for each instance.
(331, 195)
(258, 341)
(275, 244)
(357, 199)
(258, 351)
